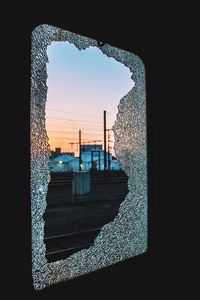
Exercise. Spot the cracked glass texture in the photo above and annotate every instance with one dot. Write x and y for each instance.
(126, 235)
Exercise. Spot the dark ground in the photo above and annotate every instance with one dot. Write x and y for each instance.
(65, 214)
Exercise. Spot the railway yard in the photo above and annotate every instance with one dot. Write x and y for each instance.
(73, 222)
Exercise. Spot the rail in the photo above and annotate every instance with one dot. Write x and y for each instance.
(62, 246)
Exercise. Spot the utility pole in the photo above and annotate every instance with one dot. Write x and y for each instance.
(104, 130)
(108, 149)
(80, 150)
(99, 160)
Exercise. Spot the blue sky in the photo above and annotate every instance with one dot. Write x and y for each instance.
(81, 84)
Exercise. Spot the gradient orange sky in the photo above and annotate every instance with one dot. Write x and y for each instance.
(81, 85)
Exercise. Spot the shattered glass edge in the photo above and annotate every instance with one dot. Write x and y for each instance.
(126, 235)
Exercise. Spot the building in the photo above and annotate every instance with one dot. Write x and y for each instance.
(68, 153)
(64, 163)
(55, 153)
(91, 159)
(115, 165)
(58, 153)
(94, 159)
(89, 147)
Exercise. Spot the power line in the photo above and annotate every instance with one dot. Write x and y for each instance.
(74, 132)
(69, 112)
(77, 120)
(50, 123)
(70, 132)
(88, 129)
(92, 133)
(63, 138)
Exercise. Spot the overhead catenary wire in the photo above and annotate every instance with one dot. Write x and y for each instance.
(75, 113)
(76, 120)
(64, 131)
(72, 132)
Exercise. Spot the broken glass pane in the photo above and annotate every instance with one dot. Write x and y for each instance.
(126, 235)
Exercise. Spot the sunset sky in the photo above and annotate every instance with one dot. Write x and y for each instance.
(81, 85)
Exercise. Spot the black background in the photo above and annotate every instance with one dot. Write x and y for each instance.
(157, 37)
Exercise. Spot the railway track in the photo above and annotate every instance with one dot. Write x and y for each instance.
(67, 181)
(62, 246)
